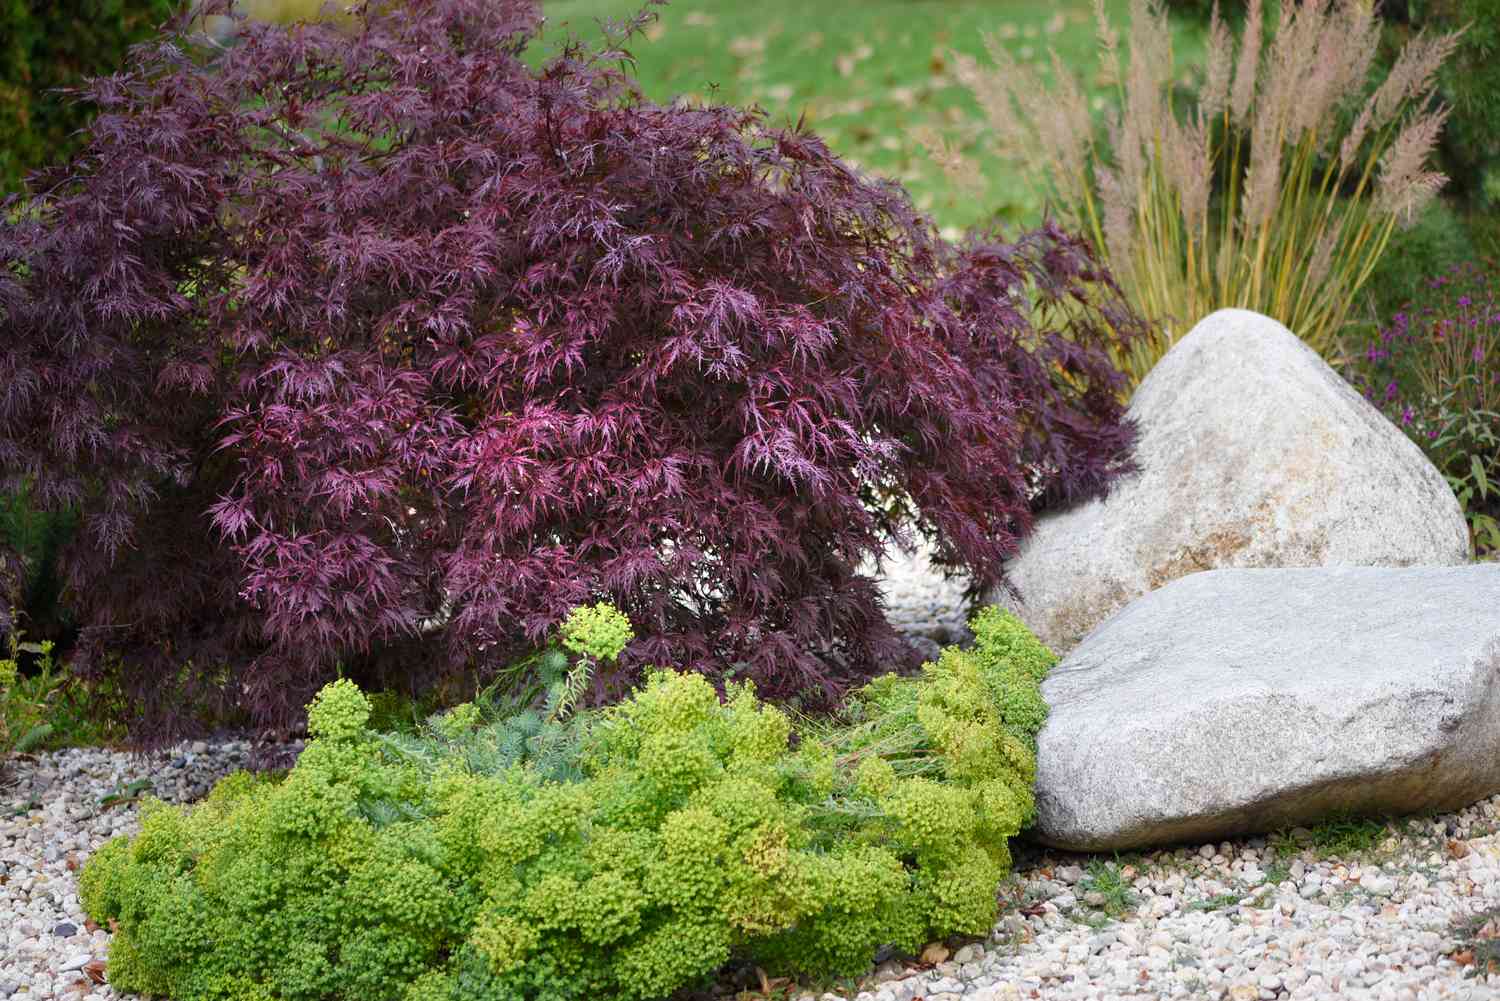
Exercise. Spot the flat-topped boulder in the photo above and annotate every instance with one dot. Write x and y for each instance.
(1252, 453)
(1237, 701)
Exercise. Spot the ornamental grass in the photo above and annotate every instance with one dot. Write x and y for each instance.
(1275, 188)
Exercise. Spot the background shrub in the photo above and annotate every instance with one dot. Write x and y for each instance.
(385, 348)
(1435, 371)
(1468, 82)
(1438, 240)
(676, 832)
(47, 44)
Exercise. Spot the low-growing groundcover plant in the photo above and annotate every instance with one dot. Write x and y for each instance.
(678, 831)
(375, 346)
(1435, 372)
(1275, 188)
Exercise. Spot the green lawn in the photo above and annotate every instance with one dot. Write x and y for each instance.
(866, 73)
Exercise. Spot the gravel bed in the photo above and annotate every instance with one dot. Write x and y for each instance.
(924, 606)
(1390, 923)
(1196, 922)
(1243, 920)
(55, 811)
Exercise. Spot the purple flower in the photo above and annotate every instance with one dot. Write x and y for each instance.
(1464, 300)
(1406, 415)
(1390, 391)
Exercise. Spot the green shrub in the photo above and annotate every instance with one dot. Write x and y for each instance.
(1468, 83)
(54, 44)
(1437, 241)
(23, 716)
(43, 705)
(672, 832)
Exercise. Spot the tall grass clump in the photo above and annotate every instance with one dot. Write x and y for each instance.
(1275, 188)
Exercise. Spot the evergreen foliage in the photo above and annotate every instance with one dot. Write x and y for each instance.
(51, 44)
(376, 345)
(1468, 83)
(621, 853)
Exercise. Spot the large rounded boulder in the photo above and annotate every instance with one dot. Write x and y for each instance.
(1252, 453)
(1240, 701)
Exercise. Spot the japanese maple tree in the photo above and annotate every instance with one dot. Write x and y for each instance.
(371, 346)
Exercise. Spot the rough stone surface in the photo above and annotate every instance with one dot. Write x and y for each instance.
(1252, 453)
(1251, 700)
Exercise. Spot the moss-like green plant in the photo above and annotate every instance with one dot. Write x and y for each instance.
(1107, 880)
(681, 830)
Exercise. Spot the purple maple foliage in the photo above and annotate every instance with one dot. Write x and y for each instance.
(372, 347)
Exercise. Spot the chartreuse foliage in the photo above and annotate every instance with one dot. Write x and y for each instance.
(680, 831)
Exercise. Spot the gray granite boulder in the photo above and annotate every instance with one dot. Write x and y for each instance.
(1234, 701)
(1252, 453)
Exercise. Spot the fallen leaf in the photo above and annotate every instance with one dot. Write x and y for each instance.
(810, 42)
(94, 970)
(1458, 849)
(89, 925)
(1464, 957)
(935, 953)
(745, 46)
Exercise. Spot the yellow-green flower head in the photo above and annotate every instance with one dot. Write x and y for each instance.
(339, 712)
(599, 631)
